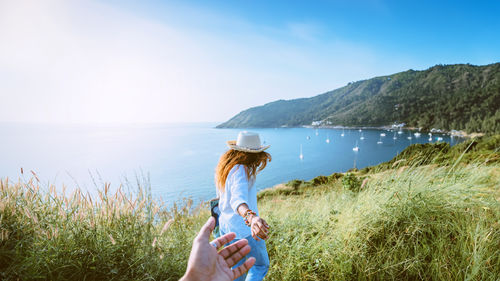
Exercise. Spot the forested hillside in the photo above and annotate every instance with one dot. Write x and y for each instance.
(460, 97)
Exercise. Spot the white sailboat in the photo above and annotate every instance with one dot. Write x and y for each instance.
(382, 134)
(394, 137)
(356, 148)
(343, 133)
(417, 134)
(327, 138)
(301, 156)
(360, 130)
(439, 139)
(380, 140)
(409, 136)
(316, 132)
(400, 131)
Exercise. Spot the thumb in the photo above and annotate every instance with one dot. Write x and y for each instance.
(204, 234)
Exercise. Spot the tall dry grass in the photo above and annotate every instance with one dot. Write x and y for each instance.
(115, 236)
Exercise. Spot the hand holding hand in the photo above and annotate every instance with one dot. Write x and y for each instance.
(207, 263)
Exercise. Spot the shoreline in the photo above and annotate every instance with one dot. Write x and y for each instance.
(453, 133)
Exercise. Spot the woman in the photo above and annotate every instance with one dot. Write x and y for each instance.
(235, 177)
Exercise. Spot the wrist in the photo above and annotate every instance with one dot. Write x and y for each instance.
(249, 215)
(191, 276)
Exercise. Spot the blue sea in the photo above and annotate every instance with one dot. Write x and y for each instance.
(179, 159)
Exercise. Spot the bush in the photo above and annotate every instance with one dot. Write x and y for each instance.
(319, 180)
(351, 182)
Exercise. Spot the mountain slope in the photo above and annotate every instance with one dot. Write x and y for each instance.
(461, 97)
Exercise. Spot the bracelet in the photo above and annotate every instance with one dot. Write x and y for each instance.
(248, 213)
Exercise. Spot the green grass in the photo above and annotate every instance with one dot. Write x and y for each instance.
(409, 219)
(419, 223)
(50, 236)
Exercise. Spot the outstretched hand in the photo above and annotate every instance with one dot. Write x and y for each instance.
(206, 262)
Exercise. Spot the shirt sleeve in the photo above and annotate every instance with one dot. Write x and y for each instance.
(239, 188)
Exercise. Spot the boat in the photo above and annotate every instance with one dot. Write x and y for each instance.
(394, 137)
(327, 139)
(343, 133)
(439, 139)
(417, 134)
(382, 134)
(308, 137)
(360, 130)
(356, 148)
(301, 156)
(316, 132)
(430, 139)
(400, 131)
(362, 138)
(380, 140)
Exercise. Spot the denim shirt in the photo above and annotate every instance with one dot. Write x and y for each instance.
(238, 190)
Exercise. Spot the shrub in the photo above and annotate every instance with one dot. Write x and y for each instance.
(351, 182)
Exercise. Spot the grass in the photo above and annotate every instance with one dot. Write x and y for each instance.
(410, 219)
(51, 236)
(416, 224)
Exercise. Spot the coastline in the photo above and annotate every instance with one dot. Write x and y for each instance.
(453, 133)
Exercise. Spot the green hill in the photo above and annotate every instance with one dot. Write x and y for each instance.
(460, 97)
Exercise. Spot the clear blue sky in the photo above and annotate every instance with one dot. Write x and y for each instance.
(430, 31)
(169, 61)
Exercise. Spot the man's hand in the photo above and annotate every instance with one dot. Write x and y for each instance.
(206, 262)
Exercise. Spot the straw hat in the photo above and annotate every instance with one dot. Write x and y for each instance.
(247, 142)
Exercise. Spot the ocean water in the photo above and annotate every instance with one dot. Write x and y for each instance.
(179, 159)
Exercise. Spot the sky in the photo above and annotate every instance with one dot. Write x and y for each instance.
(121, 61)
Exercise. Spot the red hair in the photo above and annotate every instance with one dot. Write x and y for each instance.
(253, 162)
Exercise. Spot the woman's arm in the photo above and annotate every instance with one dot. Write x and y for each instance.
(258, 226)
(238, 201)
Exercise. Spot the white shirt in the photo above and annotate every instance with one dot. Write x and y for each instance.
(238, 190)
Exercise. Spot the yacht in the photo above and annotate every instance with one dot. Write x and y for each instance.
(356, 148)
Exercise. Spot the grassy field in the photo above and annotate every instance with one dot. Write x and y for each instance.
(431, 216)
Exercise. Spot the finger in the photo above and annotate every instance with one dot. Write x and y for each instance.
(265, 223)
(261, 226)
(240, 270)
(223, 240)
(236, 257)
(262, 235)
(205, 230)
(254, 234)
(233, 248)
(259, 230)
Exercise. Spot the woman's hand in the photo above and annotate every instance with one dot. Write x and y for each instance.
(259, 228)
